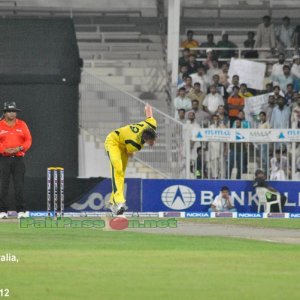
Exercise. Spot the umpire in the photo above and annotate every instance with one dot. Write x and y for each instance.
(15, 140)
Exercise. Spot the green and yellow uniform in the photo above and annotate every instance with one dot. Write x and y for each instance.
(118, 144)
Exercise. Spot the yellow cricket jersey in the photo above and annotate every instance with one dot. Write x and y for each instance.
(130, 136)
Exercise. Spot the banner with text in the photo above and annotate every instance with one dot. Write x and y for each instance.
(197, 195)
(97, 199)
(255, 135)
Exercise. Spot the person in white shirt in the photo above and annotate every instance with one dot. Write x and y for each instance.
(277, 68)
(296, 66)
(188, 128)
(212, 100)
(263, 148)
(295, 115)
(215, 163)
(235, 82)
(201, 77)
(284, 34)
(223, 202)
(279, 166)
(265, 37)
(182, 102)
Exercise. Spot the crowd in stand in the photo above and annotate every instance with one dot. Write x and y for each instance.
(207, 97)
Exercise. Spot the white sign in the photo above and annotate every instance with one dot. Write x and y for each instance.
(255, 135)
(250, 72)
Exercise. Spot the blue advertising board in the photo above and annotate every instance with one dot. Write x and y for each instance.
(96, 198)
(197, 195)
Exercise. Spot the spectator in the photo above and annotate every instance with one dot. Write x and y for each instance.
(181, 115)
(277, 68)
(191, 125)
(265, 37)
(277, 93)
(192, 64)
(269, 88)
(225, 43)
(181, 101)
(187, 83)
(285, 79)
(279, 166)
(197, 94)
(212, 100)
(235, 82)
(295, 71)
(297, 39)
(289, 94)
(284, 35)
(271, 105)
(223, 74)
(200, 164)
(190, 42)
(220, 87)
(213, 71)
(208, 62)
(238, 158)
(263, 148)
(201, 116)
(215, 153)
(223, 202)
(223, 118)
(296, 66)
(241, 118)
(244, 93)
(15, 140)
(208, 44)
(260, 181)
(201, 77)
(249, 43)
(295, 99)
(295, 115)
(184, 59)
(280, 115)
(183, 73)
(268, 76)
(235, 103)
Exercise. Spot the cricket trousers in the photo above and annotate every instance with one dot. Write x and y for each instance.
(118, 158)
(12, 166)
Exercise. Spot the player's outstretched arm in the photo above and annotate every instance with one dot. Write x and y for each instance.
(148, 111)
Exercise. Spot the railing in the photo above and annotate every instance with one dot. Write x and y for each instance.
(239, 52)
(103, 108)
(225, 153)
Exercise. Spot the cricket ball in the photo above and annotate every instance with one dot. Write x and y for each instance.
(118, 223)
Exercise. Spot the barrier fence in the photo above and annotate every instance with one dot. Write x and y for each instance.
(221, 153)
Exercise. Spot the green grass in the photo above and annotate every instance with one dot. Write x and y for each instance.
(93, 264)
(261, 223)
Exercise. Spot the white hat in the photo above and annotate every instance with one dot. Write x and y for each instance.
(295, 57)
(209, 50)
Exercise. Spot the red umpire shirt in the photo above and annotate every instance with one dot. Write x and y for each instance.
(14, 136)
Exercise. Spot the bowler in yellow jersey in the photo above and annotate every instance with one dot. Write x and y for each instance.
(119, 145)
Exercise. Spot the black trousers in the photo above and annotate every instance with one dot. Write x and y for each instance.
(12, 167)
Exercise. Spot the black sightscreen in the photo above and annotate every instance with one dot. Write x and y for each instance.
(39, 71)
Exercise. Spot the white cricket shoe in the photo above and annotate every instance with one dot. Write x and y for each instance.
(113, 208)
(22, 214)
(3, 215)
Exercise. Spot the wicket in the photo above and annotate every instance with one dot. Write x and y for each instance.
(53, 184)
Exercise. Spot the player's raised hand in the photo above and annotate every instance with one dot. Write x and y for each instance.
(148, 111)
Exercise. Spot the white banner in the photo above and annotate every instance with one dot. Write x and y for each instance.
(250, 72)
(254, 105)
(234, 135)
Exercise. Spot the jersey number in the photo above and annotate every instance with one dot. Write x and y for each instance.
(134, 127)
